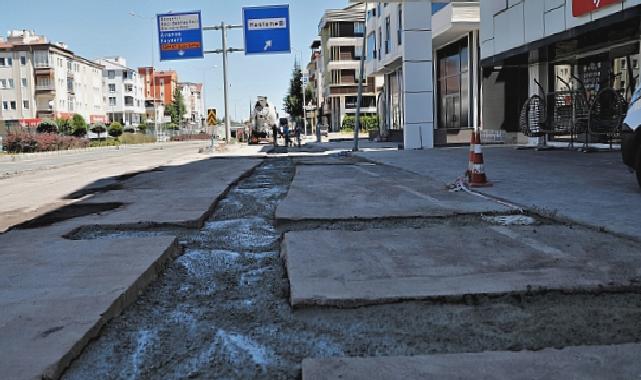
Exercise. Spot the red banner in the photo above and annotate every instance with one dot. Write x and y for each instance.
(582, 7)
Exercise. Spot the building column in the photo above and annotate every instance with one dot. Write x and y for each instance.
(418, 88)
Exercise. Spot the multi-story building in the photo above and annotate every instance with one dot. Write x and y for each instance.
(588, 45)
(43, 80)
(422, 48)
(315, 83)
(160, 86)
(124, 92)
(341, 32)
(194, 103)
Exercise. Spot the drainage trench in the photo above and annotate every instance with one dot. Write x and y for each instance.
(221, 310)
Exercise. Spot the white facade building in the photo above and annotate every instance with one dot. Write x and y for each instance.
(124, 92)
(400, 48)
(341, 36)
(591, 44)
(42, 80)
(194, 103)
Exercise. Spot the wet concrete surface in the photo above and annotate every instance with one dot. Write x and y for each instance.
(221, 310)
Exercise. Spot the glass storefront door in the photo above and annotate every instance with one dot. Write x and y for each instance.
(453, 86)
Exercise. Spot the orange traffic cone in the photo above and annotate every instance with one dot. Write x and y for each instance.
(477, 177)
(470, 165)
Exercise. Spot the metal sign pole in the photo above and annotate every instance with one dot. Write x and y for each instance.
(225, 52)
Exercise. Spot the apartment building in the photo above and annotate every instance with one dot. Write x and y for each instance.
(341, 42)
(160, 86)
(124, 92)
(44, 80)
(194, 103)
(314, 71)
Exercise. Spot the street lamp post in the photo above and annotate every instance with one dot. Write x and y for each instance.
(150, 72)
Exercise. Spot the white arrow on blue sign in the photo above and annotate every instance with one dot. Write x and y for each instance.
(267, 30)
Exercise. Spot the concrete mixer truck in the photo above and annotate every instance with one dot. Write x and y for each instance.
(263, 117)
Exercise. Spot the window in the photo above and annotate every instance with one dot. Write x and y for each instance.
(9, 61)
(2, 61)
(112, 101)
(111, 74)
(359, 29)
(5, 105)
(13, 105)
(24, 82)
(129, 87)
(112, 87)
(3, 83)
(387, 34)
(25, 104)
(11, 84)
(380, 41)
(23, 60)
(399, 32)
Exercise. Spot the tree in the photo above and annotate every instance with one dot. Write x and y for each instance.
(115, 129)
(293, 102)
(177, 109)
(78, 125)
(98, 129)
(64, 127)
(47, 126)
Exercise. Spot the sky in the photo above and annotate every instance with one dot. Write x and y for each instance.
(99, 28)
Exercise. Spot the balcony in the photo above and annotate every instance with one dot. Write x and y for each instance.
(344, 41)
(42, 71)
(343, 65)
(45, 89)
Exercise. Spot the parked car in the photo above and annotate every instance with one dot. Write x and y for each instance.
(631, 134)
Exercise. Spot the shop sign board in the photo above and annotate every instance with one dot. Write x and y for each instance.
(583, 7)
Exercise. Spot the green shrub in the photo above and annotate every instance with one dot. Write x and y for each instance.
(98, 129)
(368, 122)
(142, 128)
(115, 129)
(47, 126)
(136, 138)
(109, 141)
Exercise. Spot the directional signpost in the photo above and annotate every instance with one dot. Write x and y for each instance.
(267, 30)
(180, 36)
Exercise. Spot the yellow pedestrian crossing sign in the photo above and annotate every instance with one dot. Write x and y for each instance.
(211, 117)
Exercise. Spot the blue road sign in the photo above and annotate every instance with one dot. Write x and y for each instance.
(267, 30)
(180, 36)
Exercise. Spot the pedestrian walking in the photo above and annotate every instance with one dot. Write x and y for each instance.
(297, 133)
(275, 134)
(286, 134)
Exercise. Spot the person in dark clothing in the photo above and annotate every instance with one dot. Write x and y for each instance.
(275, 134)
(297, 133)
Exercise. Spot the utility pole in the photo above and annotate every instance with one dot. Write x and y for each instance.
(304, 104)
(359, 100)
(227, 121)
(224, 51)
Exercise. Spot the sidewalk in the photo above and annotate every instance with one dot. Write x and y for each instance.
(594, 189)
(57, 293)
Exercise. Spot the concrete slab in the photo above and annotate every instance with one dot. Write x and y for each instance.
(181, 195)
(350, 268)
(591, 188)
(586, 363)
(56, 294)
(372, 191)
